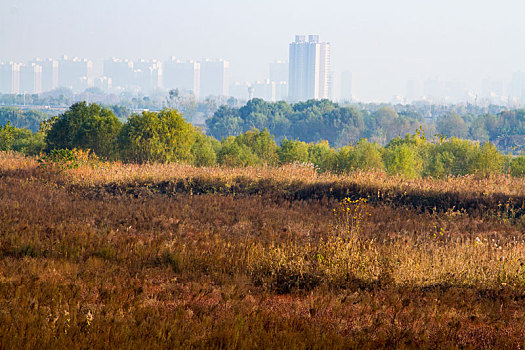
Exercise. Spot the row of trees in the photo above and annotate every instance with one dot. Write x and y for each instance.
(313, 121)
(166, 137)
(30, 119)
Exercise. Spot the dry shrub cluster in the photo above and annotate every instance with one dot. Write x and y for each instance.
(213, 271)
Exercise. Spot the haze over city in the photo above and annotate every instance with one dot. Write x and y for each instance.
(384, 44)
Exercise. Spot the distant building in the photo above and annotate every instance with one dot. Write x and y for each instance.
(492, 91)
(30, 78)
(443, 92)
(491, 88)
(517, 87)
(264, 89)
(269, 90)
(103, 83)
(309, 69)
(147, 75)
(75, 73)
(9, 77)
(184, 75)
(214, 78)
(413, 91)
(240, 91)
(279, 71)
(346, 86)
(279, 75)
(120, 71)
(280, 91)
(49, 73)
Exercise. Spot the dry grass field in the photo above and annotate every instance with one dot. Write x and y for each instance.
(171, 256)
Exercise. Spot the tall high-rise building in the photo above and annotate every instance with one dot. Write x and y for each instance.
(120, 71)
(240, 90)
(279, 74)
(103, 83)
(49, 73)
(214, 78)
(147, 74)
(30, 78)
(309, 69)
(279, 71)
(517, 86)
(346, 86)
(413, 91)
(75, 73)
(9, 77)
(184, 75)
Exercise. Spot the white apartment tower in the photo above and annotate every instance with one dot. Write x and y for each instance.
(49, 73)
(9, 77)
(30, 78)
(309, 72)
(75, 73)
(185, 75)
(214, 78)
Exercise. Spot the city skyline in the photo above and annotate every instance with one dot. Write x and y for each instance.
(382, 43)
(273, 87)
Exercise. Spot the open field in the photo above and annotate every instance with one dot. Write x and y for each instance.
(158, 256)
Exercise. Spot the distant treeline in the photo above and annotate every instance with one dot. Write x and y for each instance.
(314, 121)
(22, 119)
(166, 137)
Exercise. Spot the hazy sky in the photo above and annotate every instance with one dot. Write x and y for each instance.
(383, 42)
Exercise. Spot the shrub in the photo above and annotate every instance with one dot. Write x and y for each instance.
(64, 159)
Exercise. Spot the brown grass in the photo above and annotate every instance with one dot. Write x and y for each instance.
(215, 271)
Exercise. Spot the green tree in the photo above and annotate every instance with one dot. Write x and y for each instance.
(403, 159)
(488, 161)
(236, 154)
(21, 119)
(262, 144)
(157, 137)
(322, 156)
(292, 151)
(225, 122)
(452, 125)
(517, 166)
(86, 127)
(346, 159)
(30, 143)
(452, 157)
(368, 155)
(203, 152)
(7, 137)
(478, 130)
(21, 140)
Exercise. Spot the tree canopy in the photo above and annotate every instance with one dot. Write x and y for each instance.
(85, 127)
(157, 137)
